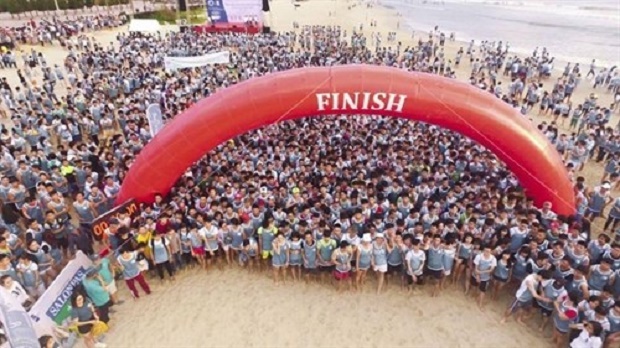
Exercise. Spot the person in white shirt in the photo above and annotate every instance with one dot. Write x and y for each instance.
(590, 336)
(15, 290)
(485, 264)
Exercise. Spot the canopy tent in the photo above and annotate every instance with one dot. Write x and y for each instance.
(144, 26)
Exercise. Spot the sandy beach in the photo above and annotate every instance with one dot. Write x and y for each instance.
(234, 308)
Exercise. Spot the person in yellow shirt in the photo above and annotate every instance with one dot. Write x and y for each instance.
(145, 236)
(266, 236)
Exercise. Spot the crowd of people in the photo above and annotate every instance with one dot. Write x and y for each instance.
(406, 203)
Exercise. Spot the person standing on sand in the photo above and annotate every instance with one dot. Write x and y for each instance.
(364, 260)
(162, 256)
(564, 315)
(435, 264)
(341, 258)
(295, 260)
(279, 259)
(266, 235)
(131, 272)
(325, 248)
(415, 260)
(210, 233)
(380, 251)
(527, 292)
(196, 241)
(484, 265)
(310, 256)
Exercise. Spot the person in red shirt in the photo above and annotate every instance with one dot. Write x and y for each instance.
(163, 225)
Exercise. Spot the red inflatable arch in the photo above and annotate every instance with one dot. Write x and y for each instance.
(353, 90)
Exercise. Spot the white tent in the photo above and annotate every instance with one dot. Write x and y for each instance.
(144, 26)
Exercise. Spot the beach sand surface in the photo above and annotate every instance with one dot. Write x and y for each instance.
(235, 308)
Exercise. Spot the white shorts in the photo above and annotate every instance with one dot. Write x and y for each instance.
(112, 287)
(447, 273)
(382, 268)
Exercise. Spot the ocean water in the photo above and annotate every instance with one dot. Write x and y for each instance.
(571, 30)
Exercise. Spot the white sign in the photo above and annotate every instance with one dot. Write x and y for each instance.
(144, 26)
(174, 63)
(58, 295)
(361, 101)
(18, 327)
(155, 117)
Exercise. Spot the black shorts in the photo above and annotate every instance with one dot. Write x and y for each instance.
(311, 270)
(327, 269)
(208, 255)
(436, 274)
(482, 286)
(62, 243)
(395, 269)
(410, 280)
(464, 261)
(84, 329)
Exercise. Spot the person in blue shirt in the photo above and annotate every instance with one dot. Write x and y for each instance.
(98, 294)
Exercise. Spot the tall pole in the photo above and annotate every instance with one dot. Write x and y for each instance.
(133, 9)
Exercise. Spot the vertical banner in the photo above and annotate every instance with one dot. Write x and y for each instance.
(155, 117)
(18, 327)
(54, 307)
(234, 11)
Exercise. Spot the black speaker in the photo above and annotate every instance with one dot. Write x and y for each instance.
(265, 5)
(266, 30)
(182, 5)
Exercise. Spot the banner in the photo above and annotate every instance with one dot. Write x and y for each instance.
(234, 11)
(174, 63)
(54, 307)
(18, 327)
(103, 221)
(155, 117)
